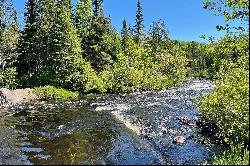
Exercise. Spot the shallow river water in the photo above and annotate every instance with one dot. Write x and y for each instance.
(136, 128)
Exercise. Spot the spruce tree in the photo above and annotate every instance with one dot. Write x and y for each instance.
(83, 13)
(139, 32)
(38, 57)
(83, 19)
(28, 60)
(92, 38)
(65, 44)
(158, 35)
(125, 34)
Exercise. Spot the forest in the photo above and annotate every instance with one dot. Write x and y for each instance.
(74, 50)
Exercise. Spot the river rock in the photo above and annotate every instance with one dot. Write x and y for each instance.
(184, 119)
(179, 140)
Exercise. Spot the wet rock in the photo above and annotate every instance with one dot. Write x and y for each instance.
(179, 140)
(184, 119)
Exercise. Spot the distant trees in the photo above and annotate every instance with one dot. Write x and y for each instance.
(158, 34)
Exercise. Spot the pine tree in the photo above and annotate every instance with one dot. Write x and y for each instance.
(125, 34)
(139, 32)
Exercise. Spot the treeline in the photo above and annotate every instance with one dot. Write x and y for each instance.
(76, 47)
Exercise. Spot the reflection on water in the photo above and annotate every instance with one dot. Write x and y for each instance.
(77, 136)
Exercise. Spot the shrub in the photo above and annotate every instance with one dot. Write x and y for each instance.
(233, 157)
(53, 93)
(228, 104)
(85, 79)
(140, 68)
(8, 78)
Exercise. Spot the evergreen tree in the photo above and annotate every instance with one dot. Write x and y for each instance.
(83, 20)
(139, 32)
(125, 34)
(28, 60)
(57, 43)
(130, 30)
(93, 37)
(65, 44)
(38, 46)
(9, 35)
(98, 7)
(158, 35)
(83, 13)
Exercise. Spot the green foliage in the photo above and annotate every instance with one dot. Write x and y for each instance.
(232, 10)
(93, 42)
(82, 17)
(234, 157)
(229, 48)
(228, 105)
(200, 61)
(53, 93)
(98, 7)
(57, 58)
(8, 78)
(158, 35)
(124, 35)
(9, 34)
(137, 69)
(85, 79)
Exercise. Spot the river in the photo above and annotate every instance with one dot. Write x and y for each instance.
(136, 128)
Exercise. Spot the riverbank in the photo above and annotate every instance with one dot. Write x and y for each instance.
(20, 97)
(16, 97)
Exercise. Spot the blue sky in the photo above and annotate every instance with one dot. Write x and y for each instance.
(185, 19)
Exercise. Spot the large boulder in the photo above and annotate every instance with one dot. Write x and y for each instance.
(18, 96)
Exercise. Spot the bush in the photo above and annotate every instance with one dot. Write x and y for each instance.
(52, 93)
(139, 68)
(234, 157)
(85, 79)
(8, 78)
(228, 104)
